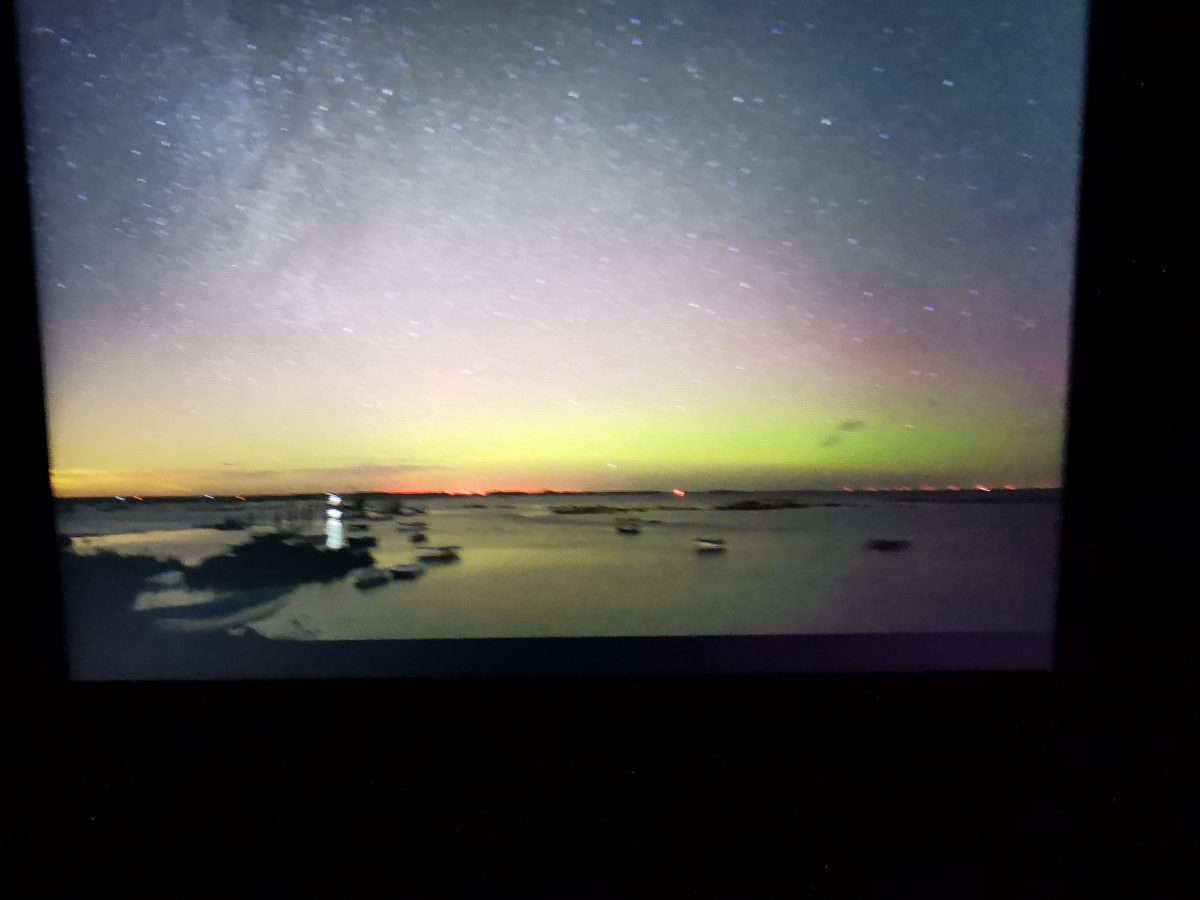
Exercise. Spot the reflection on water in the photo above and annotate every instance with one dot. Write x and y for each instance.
(171, 599)
(335, 534)
(234, 619)
(188, 545)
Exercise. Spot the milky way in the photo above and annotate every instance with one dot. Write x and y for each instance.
(323, 245)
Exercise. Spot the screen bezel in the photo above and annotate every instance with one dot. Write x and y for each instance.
(615, 661)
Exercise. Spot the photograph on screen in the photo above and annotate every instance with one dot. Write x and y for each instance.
(410, 321)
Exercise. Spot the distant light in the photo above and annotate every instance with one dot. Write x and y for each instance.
(848, 489)
(953, 487)
(982, 487)
(136, 497)
(239, 497)
(1011, 487)
(678, 493)
(333, 513)
(209, 497)
(119, 498)
(335, 500)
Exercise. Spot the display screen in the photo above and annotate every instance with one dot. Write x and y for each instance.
(413, 326)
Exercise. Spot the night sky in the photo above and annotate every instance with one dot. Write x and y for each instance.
(596, 244)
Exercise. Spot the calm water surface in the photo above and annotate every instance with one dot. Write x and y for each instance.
(527, 572)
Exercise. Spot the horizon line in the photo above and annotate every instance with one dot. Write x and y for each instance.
(900, 489)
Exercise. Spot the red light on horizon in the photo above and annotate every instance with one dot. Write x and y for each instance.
(928, 487)
(982, 487)
(679, 493)
(953, 487)
(1011, 487)
(848, 489)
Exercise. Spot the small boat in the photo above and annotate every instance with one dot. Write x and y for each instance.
(447, 553)
(419, 538)
(369, 576)
(406, 572)
(629, 526)
(357, 526)
(710, 545)
(411, 526)
(409, 511)
(375, 516)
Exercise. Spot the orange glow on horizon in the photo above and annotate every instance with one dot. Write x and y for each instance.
(551, 491)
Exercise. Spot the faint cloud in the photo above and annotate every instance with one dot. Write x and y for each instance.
(349, 477)
(380, 468)
(843, 428)
(225, 476)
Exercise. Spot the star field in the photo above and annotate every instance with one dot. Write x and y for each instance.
(467, 245)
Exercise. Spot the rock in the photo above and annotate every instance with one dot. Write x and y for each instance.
(888, 544)
(269, 560)
(592, 510)
(755, 505)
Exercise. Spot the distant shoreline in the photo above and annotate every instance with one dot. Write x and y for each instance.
(961, 495)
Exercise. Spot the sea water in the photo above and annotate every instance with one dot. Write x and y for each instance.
(526, 571)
